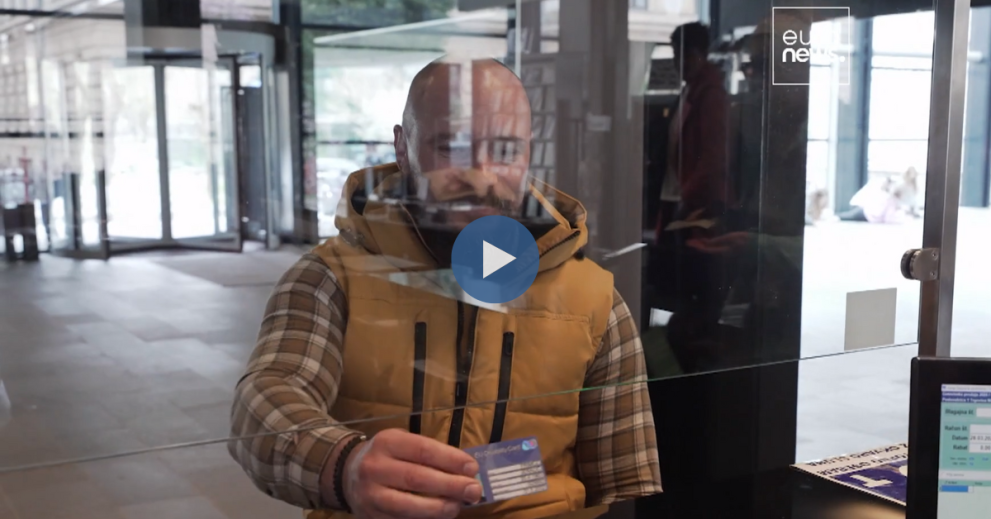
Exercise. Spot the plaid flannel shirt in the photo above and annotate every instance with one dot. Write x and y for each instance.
(281, 403)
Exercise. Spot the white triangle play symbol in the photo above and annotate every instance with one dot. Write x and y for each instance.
(494, 258)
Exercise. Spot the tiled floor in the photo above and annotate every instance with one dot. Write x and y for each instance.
(192, 483)
(102, 358)
(853, 402)
(144, 351)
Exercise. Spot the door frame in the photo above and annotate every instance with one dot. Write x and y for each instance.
(943, 171)
(241, 142)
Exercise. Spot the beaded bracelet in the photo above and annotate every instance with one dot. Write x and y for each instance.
(339, 471)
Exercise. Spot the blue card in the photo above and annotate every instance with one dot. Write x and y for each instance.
(509, 469)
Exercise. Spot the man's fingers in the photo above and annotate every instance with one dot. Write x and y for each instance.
(419, 450)
(697, 243)
(419, 479)
(737, 238)
(720, 244)
(394, 503)
(709, 246)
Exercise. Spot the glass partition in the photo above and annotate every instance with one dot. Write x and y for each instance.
(969, 316)
(746, 204)
(737, 268)
(684, 192)
(853, 403)
(203, 480)
(72, 149)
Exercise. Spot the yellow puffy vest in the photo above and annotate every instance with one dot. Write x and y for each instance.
(407, 350)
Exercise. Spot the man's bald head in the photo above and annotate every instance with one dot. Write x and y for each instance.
(448, 89)
(465, 135)
(434, 75)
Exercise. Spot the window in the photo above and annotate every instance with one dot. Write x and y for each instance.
(901, 72)
(824, 92)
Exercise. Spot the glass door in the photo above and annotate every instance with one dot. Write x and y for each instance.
(200, 123)
(75, 139)
(131, 143)
(157, 151)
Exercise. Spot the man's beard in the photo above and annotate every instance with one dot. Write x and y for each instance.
(439, 236)
(439, 223)
(459, 211)
(452, 209)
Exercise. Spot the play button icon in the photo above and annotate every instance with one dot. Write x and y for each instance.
(495, 259)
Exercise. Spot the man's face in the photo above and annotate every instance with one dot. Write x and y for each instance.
(468, 147)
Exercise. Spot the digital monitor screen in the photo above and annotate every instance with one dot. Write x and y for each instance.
(965, 452)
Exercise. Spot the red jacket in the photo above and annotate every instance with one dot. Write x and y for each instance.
(703, 142)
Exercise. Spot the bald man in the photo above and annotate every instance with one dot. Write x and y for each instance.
(363, 391)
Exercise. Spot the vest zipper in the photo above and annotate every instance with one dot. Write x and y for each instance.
(466, 338)
(505, 375)
(419, 371)
(562, 242)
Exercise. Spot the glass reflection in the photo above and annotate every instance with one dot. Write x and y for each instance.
(379, 302)
(692, 228)
(969, 316)
(740, 223)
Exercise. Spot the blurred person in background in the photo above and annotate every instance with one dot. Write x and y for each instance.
(766, 242)
(695, 186)
(695, 200)
(889, 199)
(365, 391)
(907, 192)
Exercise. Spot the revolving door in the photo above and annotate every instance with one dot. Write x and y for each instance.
(180, 160)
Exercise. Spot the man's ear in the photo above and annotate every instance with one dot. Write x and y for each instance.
(402, 150)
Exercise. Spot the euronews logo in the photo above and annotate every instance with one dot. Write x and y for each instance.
(799, 47)
(818, 36)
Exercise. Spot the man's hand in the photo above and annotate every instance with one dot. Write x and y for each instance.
(403, 475)
(695, 215)
(725, 244)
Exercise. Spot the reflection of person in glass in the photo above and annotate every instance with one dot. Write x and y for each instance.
(695, 196)
(340, 343)
(766, 243)
(696, 173)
